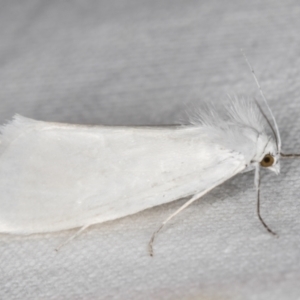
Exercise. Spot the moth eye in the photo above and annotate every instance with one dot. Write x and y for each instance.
(267, 161)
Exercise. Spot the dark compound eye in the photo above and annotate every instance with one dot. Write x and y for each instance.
(267, 161)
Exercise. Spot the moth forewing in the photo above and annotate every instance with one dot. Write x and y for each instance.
(58, 176)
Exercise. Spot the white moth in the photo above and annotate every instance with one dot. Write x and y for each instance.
(58, 176)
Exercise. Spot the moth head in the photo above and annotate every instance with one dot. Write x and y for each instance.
(269, 157)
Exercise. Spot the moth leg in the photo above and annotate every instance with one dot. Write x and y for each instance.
(72, 237)
(257, 185)
(151, 242)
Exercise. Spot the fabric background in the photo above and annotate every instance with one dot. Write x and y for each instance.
(146, 62)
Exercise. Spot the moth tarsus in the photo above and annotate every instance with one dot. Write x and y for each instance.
(258, 212)
(151, 242)
(265, 225)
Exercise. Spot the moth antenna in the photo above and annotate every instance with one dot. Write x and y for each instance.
(185, 205)
(257, 185)
(72, 237)
(268, 121)
(264, 98)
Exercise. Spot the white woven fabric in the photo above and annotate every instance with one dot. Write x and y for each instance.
(146, 62)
